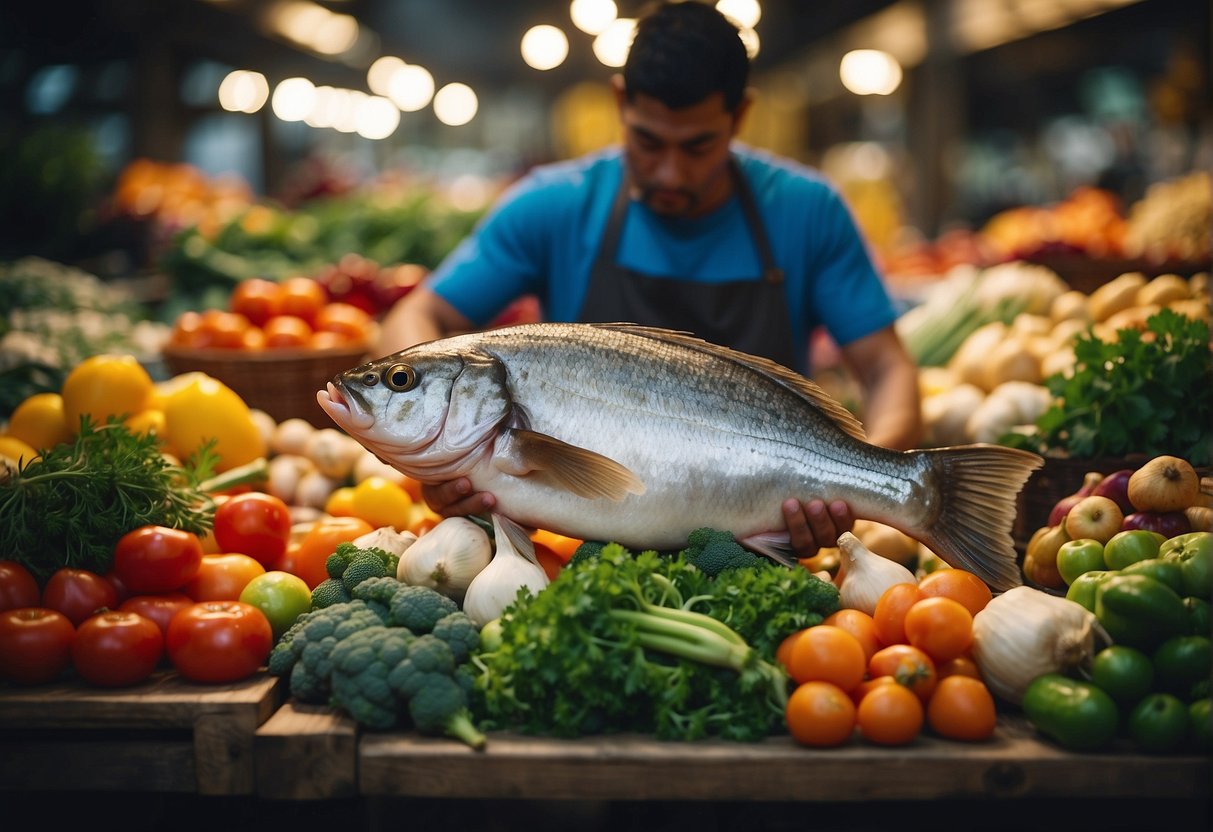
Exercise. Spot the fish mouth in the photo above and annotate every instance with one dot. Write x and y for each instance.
(343, 409)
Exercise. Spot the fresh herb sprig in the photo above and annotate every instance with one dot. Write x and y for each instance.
(1147, 392)
(72, 505)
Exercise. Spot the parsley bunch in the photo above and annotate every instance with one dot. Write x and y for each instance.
(622, 642)
(1146, 392)
(71, 506)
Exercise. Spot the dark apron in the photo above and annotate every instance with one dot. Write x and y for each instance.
(747, 315)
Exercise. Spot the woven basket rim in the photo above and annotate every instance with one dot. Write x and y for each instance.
(269, 355)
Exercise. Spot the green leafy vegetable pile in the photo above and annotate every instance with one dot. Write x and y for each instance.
(623, 642)
(1147, 392)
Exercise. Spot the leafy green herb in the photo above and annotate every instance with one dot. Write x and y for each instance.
(1147, 392)
(622, 642)
(71, 506)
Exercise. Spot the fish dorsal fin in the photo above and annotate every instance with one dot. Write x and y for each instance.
(792, 381)
(525, 453)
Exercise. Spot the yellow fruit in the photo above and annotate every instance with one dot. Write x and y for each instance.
(198, 408)
(341, 502)
(147, 421)
(39, 421)
(103, 386)
(381, 502)
(16, 450)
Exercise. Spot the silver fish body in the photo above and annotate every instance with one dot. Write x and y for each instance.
(637, 435)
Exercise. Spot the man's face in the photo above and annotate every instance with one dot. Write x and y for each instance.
(678, 159)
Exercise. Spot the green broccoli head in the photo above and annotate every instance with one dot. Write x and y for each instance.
(319, 632)
(329, 592)
(439, 706)
(428, 654)
(419, 608)
(586, 550)
(361, 663)
(712, 551)
(364, 566)
(460, 634)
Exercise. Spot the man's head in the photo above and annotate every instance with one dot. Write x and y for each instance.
(681, 98)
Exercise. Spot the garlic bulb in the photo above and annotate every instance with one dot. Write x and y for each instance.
(447, 557)
(513, 567)
(868, 575)
(1024, 633)
(387, 539)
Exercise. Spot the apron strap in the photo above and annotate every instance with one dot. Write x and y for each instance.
(771, 273)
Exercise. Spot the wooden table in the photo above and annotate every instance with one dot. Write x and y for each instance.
(165, 735)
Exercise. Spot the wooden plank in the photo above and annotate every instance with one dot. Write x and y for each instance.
(1013, 764)
(306, 752)
(141, 730)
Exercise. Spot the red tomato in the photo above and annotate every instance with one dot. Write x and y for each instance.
(303, 297)
(159, 608)
(219, 641)
(223, 577)
(18, 588)
(254, 524)
(118, 585)
(153, 559)
(117, 649)
(78, 594)
(35, 645)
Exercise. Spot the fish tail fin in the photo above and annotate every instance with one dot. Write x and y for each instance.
(979, 485)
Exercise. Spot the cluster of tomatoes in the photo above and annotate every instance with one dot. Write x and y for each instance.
(212, 616)
(296, 313)
(888, 674)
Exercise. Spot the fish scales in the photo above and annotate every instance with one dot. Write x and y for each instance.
(615, 432)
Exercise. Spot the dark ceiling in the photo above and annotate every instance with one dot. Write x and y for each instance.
(475, 41)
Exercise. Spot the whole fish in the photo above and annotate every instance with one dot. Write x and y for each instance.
(641, 435)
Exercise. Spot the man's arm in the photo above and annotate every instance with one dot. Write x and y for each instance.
(888, 379)
(419, 316)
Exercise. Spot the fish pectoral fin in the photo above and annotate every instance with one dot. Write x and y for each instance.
(525, 453)
(775, 545)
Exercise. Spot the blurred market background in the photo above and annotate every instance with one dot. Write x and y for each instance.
(159, 151)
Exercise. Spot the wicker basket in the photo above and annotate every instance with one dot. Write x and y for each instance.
(282, 382)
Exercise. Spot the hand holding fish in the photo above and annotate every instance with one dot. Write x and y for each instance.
(813, 525)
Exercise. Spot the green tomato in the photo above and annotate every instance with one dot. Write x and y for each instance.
(1124, 673)
(1085, 586)
(1076, 557)
(1198, 615)
(1181, 662)
(1159, 723)
(283, 597)
(1194, 551)
(1160, 569)
(1076, 714)
(1139, 611)
(1131, 546)
(1200, 725)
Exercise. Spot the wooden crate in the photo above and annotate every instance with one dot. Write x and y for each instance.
(307, 752)
(165, 735)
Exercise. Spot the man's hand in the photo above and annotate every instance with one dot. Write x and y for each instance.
(455, 498)
(813, 525)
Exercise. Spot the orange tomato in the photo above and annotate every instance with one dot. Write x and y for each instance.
(551, 562)
(287, 331)
(889, 715)
(225, 329)
(344, 319)
(302, 297)
(825, 653)
(257, 299)
(321, 541)
(253, 339)
(820, 714)
(341, 502)
(189, 332)
(959, 666)
(940, 627)
(859, 624)
(328, 341)
(863, 688)
(962, 709)
(959, 585)
(783, 653)
(908, 665)
(891, 609)
(223, 577)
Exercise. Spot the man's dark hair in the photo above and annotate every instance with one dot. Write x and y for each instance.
(682, 53)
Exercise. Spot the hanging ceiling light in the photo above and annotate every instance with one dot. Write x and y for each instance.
(544, 47)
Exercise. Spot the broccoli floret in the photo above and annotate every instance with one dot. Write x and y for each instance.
(378, 594)
(329, 592)
(428, 654)
(585, 551)
(460, 634)
(419, 608)
(363, 566)
(712, 551)
(440, 707)
(361, 663)
(336, 563)
(313, 644)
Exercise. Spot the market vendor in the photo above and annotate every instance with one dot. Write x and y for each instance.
(685, 228)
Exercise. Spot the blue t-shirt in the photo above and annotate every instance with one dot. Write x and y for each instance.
(542, 237)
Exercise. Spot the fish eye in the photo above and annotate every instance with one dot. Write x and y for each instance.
(370, 379)
(400, 377)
